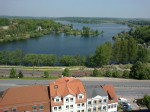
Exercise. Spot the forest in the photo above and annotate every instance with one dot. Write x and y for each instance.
(19, 29)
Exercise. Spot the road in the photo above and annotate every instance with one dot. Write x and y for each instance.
(127, 88)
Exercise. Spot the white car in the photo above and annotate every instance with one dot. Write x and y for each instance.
(122, 100)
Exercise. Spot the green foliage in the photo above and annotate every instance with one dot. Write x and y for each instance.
(12, 73)
(108, 73)
(31, 59)
(147, 101)
(20, 74)
(116, 74)
(86, 31)
(4, 21)
(140, 71)
(143, 54)
(95, 72)
(125, 74)
(46, 74)
(103, 54)
(66, 72)
(67, 60)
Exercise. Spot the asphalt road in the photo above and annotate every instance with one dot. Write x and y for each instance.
(123, 87)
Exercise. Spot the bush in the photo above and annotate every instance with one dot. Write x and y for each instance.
(95, 72)
(46, 74)
(66, 72)
(116, 74)
(125, 74)
(20, 75)
(12, 73)
(108, 73)
(147, 101)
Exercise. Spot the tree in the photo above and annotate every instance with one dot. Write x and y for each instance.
(95, 72)
(147, 100)
(143, 54)
(108, 73)
(103, 54)
(20, 75)
(67, 60)
(66, 72)
(139, 71)
(12, 73)
(31, 59)
(125, 74)
(46, 74)
(85, 31)
(116, 74)
(132, 49)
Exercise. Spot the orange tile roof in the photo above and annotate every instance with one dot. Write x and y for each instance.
(25, 95)
(65, 86)
(110, 91)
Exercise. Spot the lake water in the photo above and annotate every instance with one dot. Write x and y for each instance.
(67, 45)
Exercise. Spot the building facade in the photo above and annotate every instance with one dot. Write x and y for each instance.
(62, 95)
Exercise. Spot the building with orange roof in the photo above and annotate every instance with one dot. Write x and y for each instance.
(67, 95)
(25, 99)
(112, 98)
(62, 95)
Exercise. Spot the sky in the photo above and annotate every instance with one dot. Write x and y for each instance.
(76, 8)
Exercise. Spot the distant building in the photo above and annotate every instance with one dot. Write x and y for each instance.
(25, 99)
(62, 95)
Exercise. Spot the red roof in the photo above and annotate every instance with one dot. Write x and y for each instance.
(110, 91)
(65, 86)
(25, 95)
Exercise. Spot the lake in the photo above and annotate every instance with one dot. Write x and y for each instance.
(67, 45)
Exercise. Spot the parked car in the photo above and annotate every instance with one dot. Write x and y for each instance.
(122, 100)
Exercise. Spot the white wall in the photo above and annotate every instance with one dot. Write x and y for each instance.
(112, 107)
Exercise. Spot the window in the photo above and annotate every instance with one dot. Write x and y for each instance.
(71, 106)
(115, 105)
(108, 106)
(78, 105)
(82, 104)
(89, 102)
(57, 100)
(34, 108)
(55, 108)
(78, 111)
(14, 109)
(59, 107)
(104, 107)
(71, 99)
(67, 107)
(112, 106)
(94, 101)
(67, 100)
(41, 107)
(6, 110)
(99, 109)
(89, 110)
(82, 111)
(105, 100)
(80, 97)
(94, 110)
(100, 101)
(56, 86)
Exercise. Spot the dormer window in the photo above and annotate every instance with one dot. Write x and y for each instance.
(5, 110)
(80, 97)
(57, 100)
(14, 109)
(41, 107)
(56, 86)
(34, 108)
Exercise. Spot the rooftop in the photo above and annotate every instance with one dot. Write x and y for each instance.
(92, 91)
(24, 95)
(110, 91)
